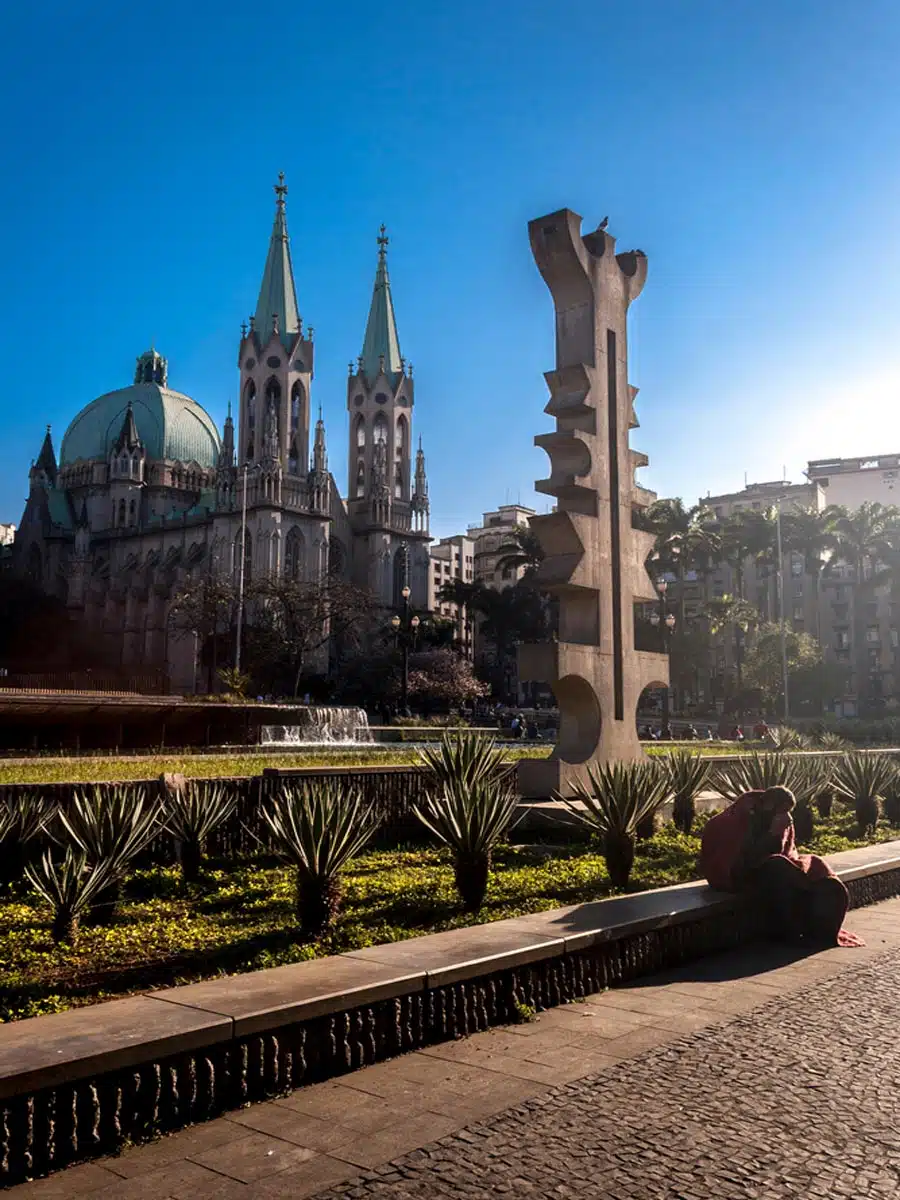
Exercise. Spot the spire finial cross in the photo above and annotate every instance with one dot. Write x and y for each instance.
(383, 240)
(280, 189)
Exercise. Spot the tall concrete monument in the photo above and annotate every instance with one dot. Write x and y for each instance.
(595, 557)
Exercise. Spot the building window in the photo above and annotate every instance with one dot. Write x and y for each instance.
(293, 554)
(842, 640)
(380, 432)
(872, 634)
(360, 433)
(360, 478)
(798, 589)
(798, 612)
(296, 404)
(797, 566)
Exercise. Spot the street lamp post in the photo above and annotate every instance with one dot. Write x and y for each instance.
(665, 622)
(405, 629)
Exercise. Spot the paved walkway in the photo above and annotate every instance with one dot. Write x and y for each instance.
(746, 1075)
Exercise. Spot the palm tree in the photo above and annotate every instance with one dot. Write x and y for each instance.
(686, 540)
(742, 616)
(523, 550)
(747, 534)
(810, 532)
(866, 539)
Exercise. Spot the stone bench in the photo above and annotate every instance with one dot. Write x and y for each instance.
(80, 1083)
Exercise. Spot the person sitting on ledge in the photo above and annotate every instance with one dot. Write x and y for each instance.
(750, 847)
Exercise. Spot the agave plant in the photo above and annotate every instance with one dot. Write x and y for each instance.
(783, 737)
(687, 776)
(22, 819)
(318, 827)
(825, 801)
(863, 779)
(463, 759)
(613, 801)
(111, 827)
(827, 739)
(69, 887)
(470, 816)
(190, 815)
(806, 778)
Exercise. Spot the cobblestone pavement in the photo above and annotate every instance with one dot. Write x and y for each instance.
(746, 1075)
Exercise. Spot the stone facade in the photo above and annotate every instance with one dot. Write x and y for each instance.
(147, 496)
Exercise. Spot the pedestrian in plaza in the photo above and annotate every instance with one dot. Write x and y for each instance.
(751, 848)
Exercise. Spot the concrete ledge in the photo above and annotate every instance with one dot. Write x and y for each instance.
(79, 1084)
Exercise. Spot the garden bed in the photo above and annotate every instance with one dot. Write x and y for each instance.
(241, 917)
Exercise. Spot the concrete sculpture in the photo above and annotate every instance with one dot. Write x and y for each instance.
(595, 557)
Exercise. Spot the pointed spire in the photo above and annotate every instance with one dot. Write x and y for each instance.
(277, 305)
(420, 491)
(129, 438)
(46, 460)
(226, 454)
(319, 464)
(381, 347)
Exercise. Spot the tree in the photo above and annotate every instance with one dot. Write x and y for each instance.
(293, 621)
(505, 618)
(686, 540)
(867, 540)
(747, 534)
(443, 677)
(741, 617)
(206, 608)
(810, 532)
(524, 550)
(764, 668)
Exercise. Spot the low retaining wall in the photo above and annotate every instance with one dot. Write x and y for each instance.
(79, 1084)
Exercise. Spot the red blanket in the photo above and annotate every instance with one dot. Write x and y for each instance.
(723, 842)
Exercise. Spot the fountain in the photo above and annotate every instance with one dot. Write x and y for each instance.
(322, 726)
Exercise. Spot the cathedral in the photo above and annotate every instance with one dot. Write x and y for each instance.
(147, 496)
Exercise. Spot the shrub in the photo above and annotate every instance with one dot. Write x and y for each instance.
(687, 776)
(863, 779)
(783, 737)
(69, 888)
(464, 759)
(318, 827)
(470, 817)
(111, 827)
(612, 802)
(191, 813)
(22, 820)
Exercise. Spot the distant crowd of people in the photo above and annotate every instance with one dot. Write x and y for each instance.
(690, 733)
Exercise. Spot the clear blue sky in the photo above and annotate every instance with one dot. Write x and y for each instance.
(750, 149)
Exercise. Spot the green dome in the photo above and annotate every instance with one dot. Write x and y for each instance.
(170, 426)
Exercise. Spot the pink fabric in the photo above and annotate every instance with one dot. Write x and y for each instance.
(723, 841)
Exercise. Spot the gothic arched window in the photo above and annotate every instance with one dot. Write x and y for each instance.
(132, 513)
(380, 431)
(121, 512)
(402, 439)
(296, 405)
(398, 482)
(273, 392)
(360, 478)
(250, 410)
(294, 549)
(336, 556)
(360, 433)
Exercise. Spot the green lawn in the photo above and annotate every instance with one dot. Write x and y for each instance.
(241, 917)
(101, 769)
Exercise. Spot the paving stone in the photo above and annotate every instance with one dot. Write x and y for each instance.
(253, 1156)
(787, 1101)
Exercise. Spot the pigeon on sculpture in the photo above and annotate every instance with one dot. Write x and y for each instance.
(603, 224)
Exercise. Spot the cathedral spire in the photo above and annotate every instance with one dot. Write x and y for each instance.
(226, 454)
(381, 347)
(319, 463)
(277, 305)
(46, 460)
(129, 438)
